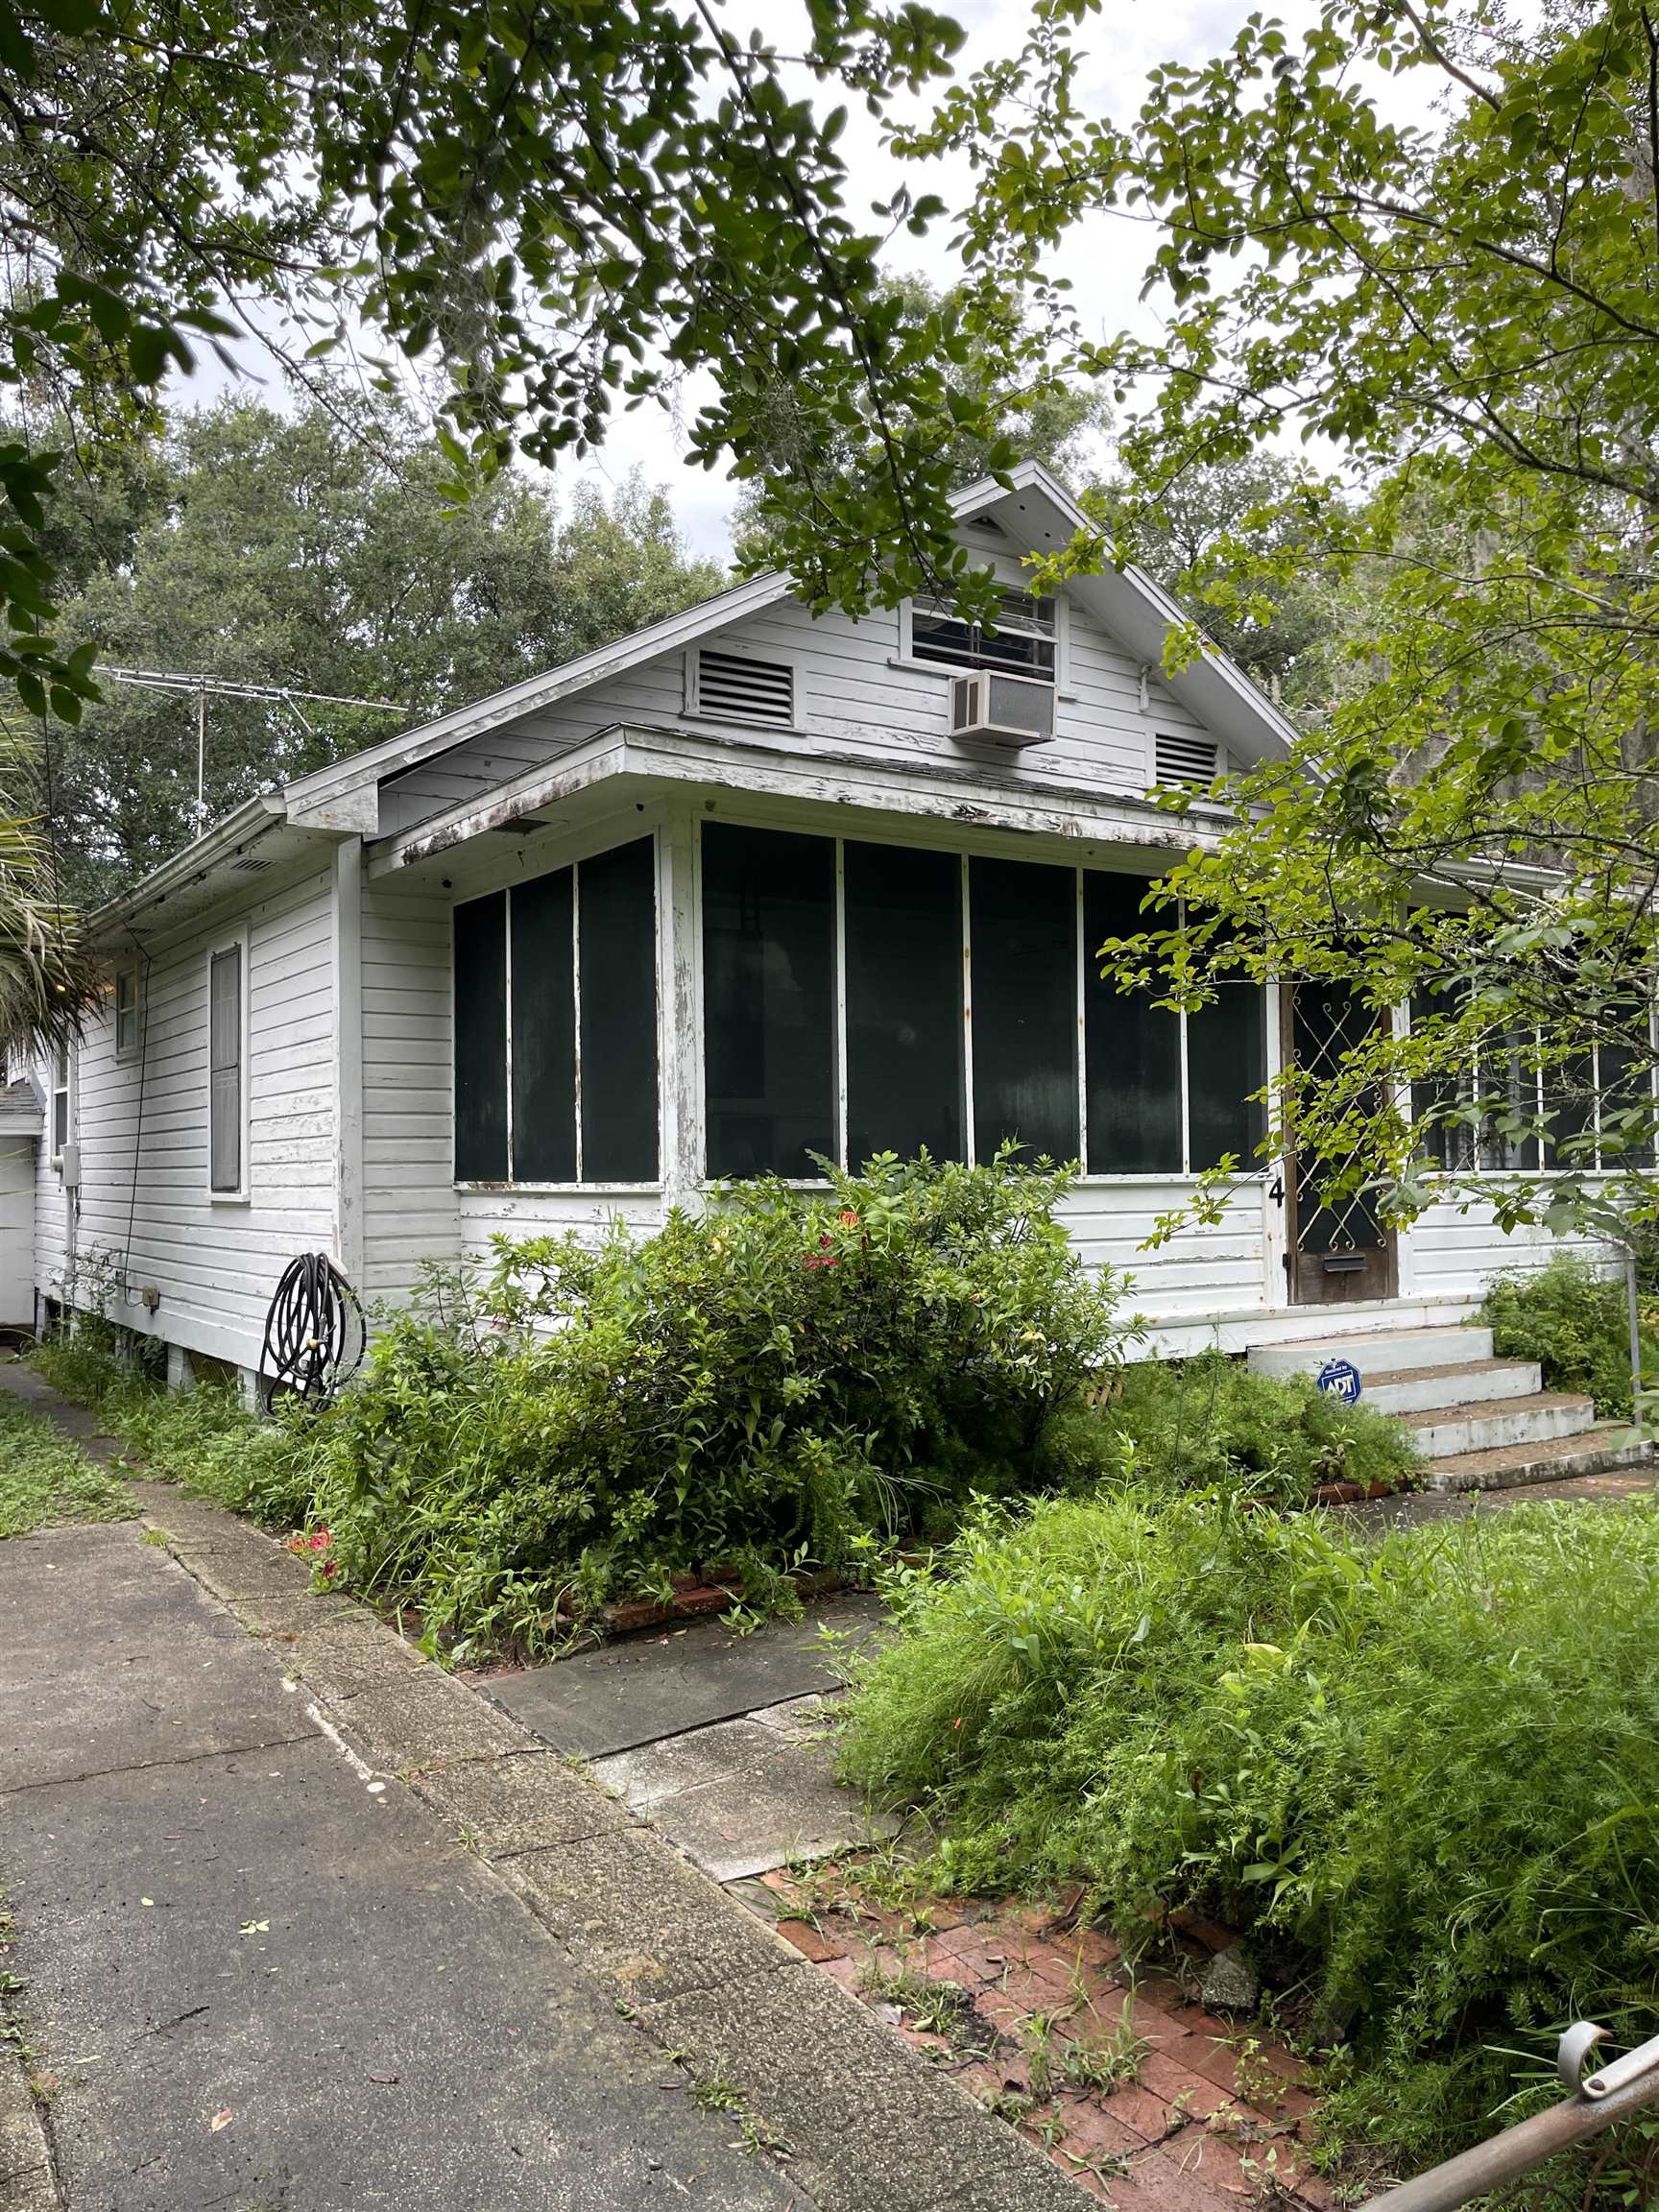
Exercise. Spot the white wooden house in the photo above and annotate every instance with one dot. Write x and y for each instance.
(744, 888)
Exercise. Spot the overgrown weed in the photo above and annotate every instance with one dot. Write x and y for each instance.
(1422, 1772)
(46, 1478)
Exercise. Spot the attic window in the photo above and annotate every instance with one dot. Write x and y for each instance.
(737, 689)
(1023, 640)
(1194, 762)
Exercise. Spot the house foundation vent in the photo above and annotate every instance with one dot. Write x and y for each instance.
(1193, 761)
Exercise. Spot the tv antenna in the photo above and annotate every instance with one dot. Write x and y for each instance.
(226, 688)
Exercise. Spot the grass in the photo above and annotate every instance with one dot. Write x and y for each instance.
(206, 1440)
(1110, 2062)
(46, 1478)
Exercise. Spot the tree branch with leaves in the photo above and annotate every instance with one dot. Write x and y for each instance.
(1464, 312)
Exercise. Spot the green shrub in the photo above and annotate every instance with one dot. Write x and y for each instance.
(1199, 1424)
(45, 1477)
(781, 1382)
(1575, 1323)
(1335, 1746)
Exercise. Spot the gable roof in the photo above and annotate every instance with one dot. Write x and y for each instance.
(1034, 511)
(1041, 511)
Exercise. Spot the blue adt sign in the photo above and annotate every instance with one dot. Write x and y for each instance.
(1341, 1378)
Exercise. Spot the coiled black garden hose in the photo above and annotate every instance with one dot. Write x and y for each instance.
(315, 1333)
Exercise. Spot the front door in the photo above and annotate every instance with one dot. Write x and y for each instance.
(1336, 1248)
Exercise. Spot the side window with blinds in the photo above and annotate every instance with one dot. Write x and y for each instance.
(226, 1071)
(127, 1014)
(60, 1100)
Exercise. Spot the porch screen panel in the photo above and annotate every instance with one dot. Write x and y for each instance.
(1024, 935)
(904, 951)
(1507, 1074)
(1570, 1110)
(768, 1000)
(618, 897)
(1626, 1074)
(481, 1039)
(1448, 1144)
(544, 1029)
(1226, 1061)
(225, 1034)
(1132, 1048)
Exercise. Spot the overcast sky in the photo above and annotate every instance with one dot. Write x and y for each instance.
(1104, 260)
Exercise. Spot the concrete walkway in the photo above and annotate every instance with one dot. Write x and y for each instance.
(713, 1734)
(308, 1925)
(255, 1984)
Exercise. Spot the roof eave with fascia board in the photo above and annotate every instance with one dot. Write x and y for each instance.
(254, 837)
(641, 755)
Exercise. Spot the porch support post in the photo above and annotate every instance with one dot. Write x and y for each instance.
(1275, 1213)
(1405, 1253)
(680, 1039)
(348, 1059)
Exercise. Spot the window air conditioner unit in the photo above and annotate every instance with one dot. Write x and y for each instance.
(993, 709)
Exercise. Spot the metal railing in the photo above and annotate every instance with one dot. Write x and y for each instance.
(1596, 2102)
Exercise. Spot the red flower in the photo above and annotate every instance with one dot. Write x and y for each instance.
(849, 1220)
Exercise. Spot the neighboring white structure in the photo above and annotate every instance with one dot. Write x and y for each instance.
(742, 888)
(21, 1124)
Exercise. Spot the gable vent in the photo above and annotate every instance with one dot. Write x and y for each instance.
(746, 690)
(1194, 762)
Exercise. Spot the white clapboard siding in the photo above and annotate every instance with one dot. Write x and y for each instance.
(1203, 1269)
(591, 1214)
(852, 699)
(1455, 1255)
(653, 695)
(410, 1214)
(16, 1231)
(144, 1200)
(49, 1213)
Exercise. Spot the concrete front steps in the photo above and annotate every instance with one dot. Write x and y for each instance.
(1480, 1423)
